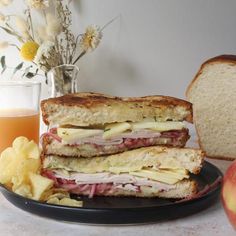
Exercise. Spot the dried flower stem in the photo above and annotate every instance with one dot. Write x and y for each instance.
(11, 31)
(31, 22)
(108, 23)
(81, 54)
(44, 14)
(14, 45)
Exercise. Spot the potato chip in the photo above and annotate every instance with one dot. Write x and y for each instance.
(17, 162)
(59, 195)
(24, 190)
(66, 201)
(45, 196)
(32, 150)
(70, 202)
(53, 200)
(24, 167)
(7, 167)
(19, 168)
(29, 149)
(19, 144)
(39, 185)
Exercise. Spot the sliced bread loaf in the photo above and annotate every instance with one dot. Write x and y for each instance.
(213, 94)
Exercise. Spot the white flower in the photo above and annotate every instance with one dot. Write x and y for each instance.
(4, 3)
(91, 38)
(21, 24)
(2, 18)
(54, 26)
(47, 57)
(38, 4)
(3, 45)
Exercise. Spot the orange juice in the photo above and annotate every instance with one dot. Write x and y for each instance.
(18, 122)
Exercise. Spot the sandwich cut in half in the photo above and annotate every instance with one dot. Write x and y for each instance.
(92, 124)
(145, 172)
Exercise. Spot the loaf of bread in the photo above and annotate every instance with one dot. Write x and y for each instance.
(213, 94)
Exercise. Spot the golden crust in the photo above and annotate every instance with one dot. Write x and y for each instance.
(112, 109)
(221, 158)
(218, 59)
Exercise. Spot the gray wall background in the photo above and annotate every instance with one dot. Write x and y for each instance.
(155, 47)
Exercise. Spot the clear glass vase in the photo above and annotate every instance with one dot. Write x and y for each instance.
(62, 80)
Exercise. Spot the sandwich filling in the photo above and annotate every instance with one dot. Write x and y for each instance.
(118, 137)
(147, 179)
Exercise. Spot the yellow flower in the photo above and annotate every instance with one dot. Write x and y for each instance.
(29, 50)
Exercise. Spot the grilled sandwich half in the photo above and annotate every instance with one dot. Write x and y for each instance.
(145, 172)
(92, 124)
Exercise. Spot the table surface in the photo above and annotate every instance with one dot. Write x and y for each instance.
(211, 221)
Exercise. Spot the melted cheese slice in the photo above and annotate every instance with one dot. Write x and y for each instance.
(158, 126)
(165, 176)
(112, 130)
(69, 134)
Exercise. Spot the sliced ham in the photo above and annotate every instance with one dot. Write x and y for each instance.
(129, 187)
(124, 138)
(106, 183)
(92, 190)
(54, 136)
(98, 139)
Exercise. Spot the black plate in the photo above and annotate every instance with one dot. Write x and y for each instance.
(125, 210)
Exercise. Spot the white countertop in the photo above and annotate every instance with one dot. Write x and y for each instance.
(210, 222)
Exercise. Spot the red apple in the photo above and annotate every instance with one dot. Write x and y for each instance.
(228, 194)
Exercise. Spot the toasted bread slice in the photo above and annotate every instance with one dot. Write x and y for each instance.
(213, 94)
(187, 158)
(88, 109)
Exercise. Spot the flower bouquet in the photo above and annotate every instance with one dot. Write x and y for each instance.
(50, 47)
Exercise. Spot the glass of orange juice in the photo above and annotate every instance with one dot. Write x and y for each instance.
(19, 111)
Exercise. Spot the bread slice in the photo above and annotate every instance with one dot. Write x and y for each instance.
(87, 109)
(187, 158)
(213, 94)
